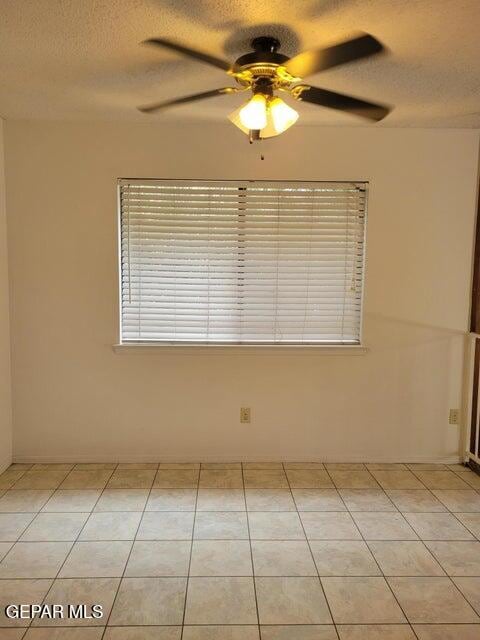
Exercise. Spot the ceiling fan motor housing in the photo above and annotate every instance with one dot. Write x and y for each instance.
(264, 51)
(265, 43)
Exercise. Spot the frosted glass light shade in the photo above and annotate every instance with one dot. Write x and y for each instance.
(254, 114)
(281, 114)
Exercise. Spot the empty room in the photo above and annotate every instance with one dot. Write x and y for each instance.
(239, 320)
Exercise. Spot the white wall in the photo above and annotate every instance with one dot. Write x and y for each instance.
(5, 379)
(75, 399)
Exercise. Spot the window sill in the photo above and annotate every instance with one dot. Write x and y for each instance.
(133, 348)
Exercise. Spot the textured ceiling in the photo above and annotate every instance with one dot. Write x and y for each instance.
(80, 59)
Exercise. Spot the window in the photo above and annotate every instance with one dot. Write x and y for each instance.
(241, 262)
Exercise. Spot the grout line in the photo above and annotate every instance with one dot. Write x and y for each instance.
(311, 552)
(32, 469)
(35, 516)
(462, 524)
(455, 515)
(168, 577)
(14, 481)
(293, 625)
(367, 540)
(128, 557)
(191, 553)
(251, 554)
(130, 553)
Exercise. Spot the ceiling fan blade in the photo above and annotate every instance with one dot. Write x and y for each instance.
(193, 98)
(192, 53)
(339, 101)
(316, 60)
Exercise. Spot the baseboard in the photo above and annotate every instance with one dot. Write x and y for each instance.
(303, 457)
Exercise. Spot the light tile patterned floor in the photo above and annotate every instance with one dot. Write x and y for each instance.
(270, 551)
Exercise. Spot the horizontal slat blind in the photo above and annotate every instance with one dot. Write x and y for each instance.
(241, 262)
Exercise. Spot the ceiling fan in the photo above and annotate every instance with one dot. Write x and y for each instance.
(265, 71)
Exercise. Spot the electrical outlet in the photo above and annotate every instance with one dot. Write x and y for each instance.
(454, 416)
(245, 414)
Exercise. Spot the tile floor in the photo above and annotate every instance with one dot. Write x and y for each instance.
(270, 551)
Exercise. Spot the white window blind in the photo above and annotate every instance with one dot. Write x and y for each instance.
(241, 262)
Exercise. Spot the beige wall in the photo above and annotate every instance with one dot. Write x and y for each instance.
(74, 398)
(5, 379)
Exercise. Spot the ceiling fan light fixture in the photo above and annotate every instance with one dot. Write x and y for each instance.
(282, 115)
(253, 115)
(279, 116)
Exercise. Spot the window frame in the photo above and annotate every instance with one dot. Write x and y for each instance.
(144, 347)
